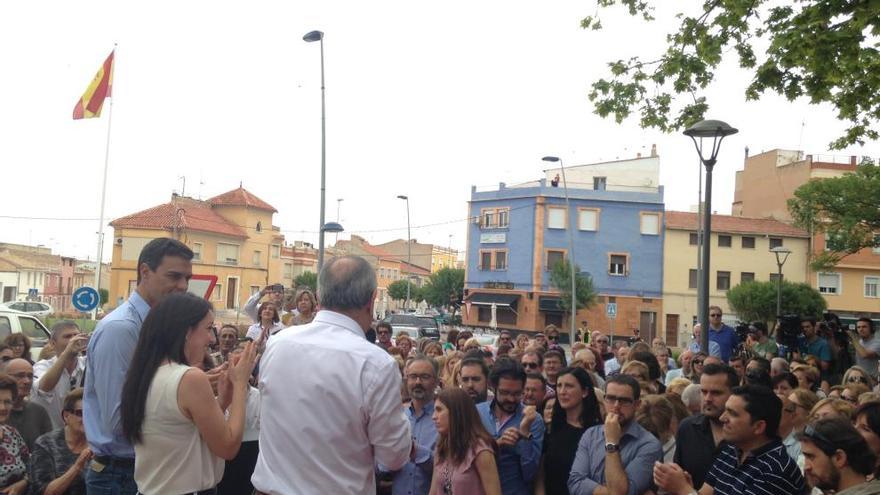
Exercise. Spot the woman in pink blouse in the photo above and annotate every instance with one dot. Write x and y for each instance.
(464, 460)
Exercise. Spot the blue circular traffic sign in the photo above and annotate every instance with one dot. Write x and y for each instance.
(85, 298)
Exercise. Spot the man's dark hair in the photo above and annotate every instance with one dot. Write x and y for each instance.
(758, 377)
(474, 354)
(535, 353)
(505, 332)
(759, 326)
(785, 377)
(713, 369)
(537, 376)
(384, 324)
(833, 434)
(627, 380)
(763, 363)
(156, 250)
(737, 357)
(476, 361)
(811, 319)
(346, 283)
(507, 368)
(650, 360)
(61, 326)
(762, 405)
(871, 411)
(869, 321)
(556, 354)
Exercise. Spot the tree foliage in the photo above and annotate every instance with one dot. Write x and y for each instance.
(445, 288)
(397, 291)
(756, 301)
(844, 208)
(560, 278)
(306, 279)
(824, 50)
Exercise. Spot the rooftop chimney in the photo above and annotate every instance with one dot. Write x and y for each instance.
(653, 151)
(747, 151)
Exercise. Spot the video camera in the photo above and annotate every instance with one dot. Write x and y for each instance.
(789, 330)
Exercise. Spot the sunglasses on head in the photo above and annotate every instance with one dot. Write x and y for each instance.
(857, 379)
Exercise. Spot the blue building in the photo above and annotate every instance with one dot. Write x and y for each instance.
(518, 233)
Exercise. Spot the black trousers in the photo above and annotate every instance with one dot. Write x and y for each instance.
(237, 475)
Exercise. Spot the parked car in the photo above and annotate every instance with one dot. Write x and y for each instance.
(38, 309)
(12, 321)
(415, 326)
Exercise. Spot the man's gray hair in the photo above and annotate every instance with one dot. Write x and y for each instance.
(423, 358)
(61, 326)
(345, 283)
(691, 395)
(779, 364)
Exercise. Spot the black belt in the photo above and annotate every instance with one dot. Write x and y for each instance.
(109, 460)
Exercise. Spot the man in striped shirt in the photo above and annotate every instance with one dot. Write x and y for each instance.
(754, 460)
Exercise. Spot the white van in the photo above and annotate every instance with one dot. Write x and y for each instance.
(12, 321)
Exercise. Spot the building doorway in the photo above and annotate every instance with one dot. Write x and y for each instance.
(672, 330)
(231, 290)
(648, 325)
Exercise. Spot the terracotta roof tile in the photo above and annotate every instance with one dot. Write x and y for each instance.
(681, 220)
(241, 197)
(193, 215)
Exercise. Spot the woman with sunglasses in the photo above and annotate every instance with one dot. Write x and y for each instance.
(574, 410)
(857, 374)
(464, 459)
(697, 367)
(60, 457)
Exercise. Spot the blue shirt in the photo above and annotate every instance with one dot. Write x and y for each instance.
(110, 351)
(726, 338)
(818, 348)
(415, 477)
(714, 348)
(768, 469)
(517, 465)
(638, 452)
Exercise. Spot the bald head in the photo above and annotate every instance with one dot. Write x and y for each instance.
(346, 283)
(23, 373)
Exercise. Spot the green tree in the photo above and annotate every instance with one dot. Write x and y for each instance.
(756, 301)
(104, 295)
(445, 288)
(844, 209)
(306, 279)
(397, 291)
(824, 50)
(560, 278)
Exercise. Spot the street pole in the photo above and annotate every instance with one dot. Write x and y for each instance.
(338, 204)
(572, 332)
(311, 37)
(408, 250)
(781, 257)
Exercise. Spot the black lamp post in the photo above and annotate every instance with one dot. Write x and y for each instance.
(570, 227)
(781, 257)
(717, 131)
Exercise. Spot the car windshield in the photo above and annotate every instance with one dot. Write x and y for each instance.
(485, 339)
(413, 321)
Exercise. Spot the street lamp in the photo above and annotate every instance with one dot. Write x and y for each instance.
(717, 130)
(781, 257)
(338, 204)
(309, 38)
(571, 226)
(408, 248)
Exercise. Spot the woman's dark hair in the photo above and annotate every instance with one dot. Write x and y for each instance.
(590, 407)
(20, 338)
(163, 336)
(275, 318)
(871, 411)
(465, 427)
(71, 399)
(8, 383)
(785, 377)
(650, 360)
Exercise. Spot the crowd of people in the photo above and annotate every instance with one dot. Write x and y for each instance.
(316, 397)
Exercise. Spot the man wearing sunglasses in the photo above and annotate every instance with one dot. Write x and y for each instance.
(837, 459)
(721, 333)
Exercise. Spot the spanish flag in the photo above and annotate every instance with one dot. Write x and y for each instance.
(89, 106)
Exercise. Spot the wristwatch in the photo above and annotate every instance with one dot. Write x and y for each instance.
(611, 447)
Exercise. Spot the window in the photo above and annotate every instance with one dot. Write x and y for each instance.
(197, 251)
(276, 251)
(876, 248)
(829, 283)
(722, 281)
(488, 219)
(288, 270)
(485, 260)
(218, 292)
(588, 219)
(5, 327)
(775, 242)
(774, 277)
(748, 242)
(599, 183)
(693, 282)
(227, 254)
(650, 224)
(693, 239)
(132, 285)
(724, 241)
(501, 260)
(257, 258)
(617, 264)
(555, 218)
(33, 329)
(254, 289)
(554, 257)
(746, 277)
(503, 218)
(871, 284)
(259, 226)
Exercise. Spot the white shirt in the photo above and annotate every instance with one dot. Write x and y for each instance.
(53, 400)
(330, 410)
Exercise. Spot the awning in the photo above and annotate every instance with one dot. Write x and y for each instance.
(490, 298)
(549, 304)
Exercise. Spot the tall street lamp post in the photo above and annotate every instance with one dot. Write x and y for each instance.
(309, 38)
(717, 130)
(408, 248)
(781, 257)
(571, 331)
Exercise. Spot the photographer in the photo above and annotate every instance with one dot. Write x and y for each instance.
(837, 459)
(867, 345)
(811, 344)
(759, 343)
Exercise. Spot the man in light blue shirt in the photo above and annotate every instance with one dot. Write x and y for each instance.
(415, 476)
(695, 345)
(164, 267)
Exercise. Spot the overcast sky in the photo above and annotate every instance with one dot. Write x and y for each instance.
(422, 99)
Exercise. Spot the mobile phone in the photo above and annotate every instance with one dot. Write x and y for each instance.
(278, 287)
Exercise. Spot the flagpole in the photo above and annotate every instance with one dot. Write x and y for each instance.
(104, 189)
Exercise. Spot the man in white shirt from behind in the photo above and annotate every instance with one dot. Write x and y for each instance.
(331, 406)
(54, 378)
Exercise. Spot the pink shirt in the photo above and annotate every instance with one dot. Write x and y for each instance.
(463, 478)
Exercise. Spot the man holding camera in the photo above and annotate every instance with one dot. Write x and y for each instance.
(276, 296)
(759, 343)
(867, 346)
(837, 459)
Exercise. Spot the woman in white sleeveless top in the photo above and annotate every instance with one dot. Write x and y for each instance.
(169, 410)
